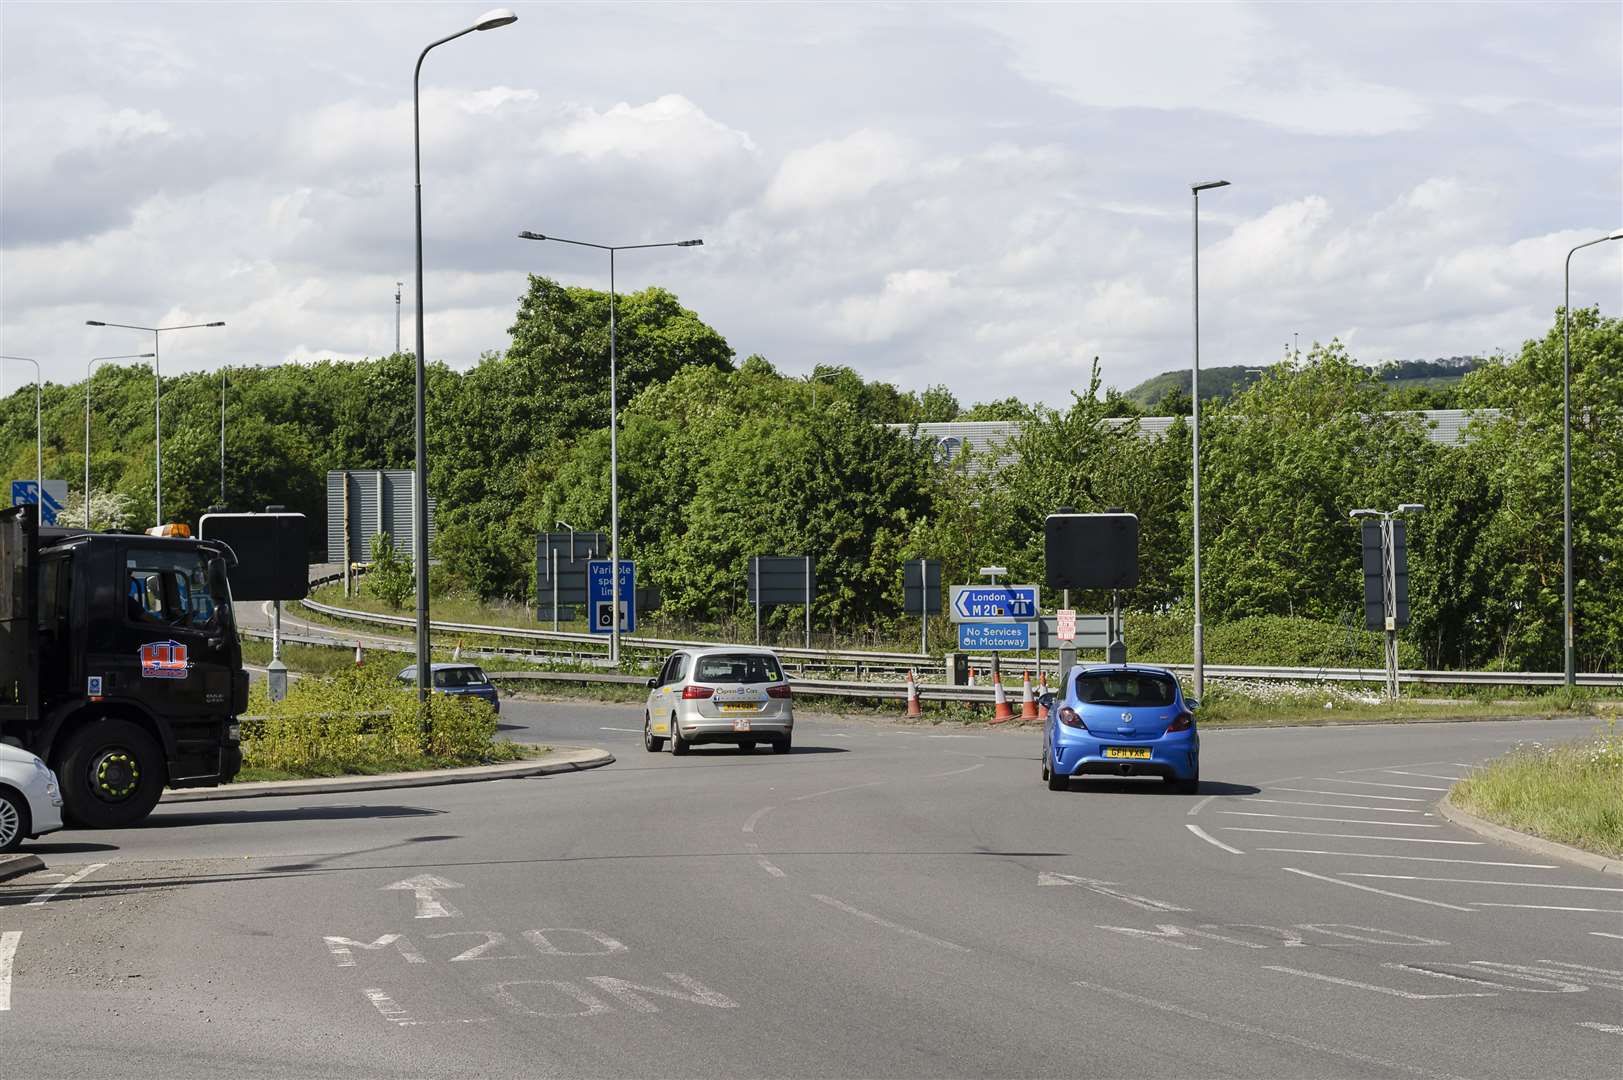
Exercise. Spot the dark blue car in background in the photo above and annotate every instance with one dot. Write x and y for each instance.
(456, 679)
(1121, 720)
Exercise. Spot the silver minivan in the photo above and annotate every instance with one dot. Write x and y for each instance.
(726, 693)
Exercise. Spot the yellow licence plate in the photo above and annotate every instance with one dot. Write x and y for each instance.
(741, 708)
(1136, 752)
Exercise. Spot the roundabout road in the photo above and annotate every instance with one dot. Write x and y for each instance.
(886, 901)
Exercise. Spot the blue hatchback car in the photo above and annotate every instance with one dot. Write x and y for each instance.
(1121, 720)
(457, 679)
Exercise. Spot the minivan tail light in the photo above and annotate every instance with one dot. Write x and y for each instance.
(1068, 716)
(784, 691)
(690, 693)
(1184, 722)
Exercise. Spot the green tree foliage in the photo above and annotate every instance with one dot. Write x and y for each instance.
(390, 577)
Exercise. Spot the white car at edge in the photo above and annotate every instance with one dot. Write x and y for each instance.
(30, 797)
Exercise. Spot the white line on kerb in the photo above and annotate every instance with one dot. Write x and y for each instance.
(1372, 889)
(1337, 820)
(1415, 858)
(1276, 1036)
(1357, 836)
(1474, 881)
(1198, 831)
(8, 949)
(64, 883)
(877, 921)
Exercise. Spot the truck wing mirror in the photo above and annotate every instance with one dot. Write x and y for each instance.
(219, 586)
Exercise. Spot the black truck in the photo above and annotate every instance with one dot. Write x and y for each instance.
(119, 663)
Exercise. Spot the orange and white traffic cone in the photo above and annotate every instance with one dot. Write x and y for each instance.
(456, 653)
(1028, 704)
(971, 676)
(912, 696)
(1000, 702)
(357, 654)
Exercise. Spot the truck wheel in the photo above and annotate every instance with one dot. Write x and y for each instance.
(112, 773)
(13, 820)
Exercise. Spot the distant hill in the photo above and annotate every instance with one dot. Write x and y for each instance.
(1439, 375)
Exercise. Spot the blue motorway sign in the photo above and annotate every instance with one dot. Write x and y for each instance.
(994, 603)
(24, 492)
(994, 637)
(600, 596)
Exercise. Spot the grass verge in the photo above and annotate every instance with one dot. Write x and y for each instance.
(1572, 793)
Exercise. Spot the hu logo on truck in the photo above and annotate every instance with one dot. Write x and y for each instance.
(163, 660)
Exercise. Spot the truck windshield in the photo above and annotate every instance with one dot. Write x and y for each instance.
(169, 587)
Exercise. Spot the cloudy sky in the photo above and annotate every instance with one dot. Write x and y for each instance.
(982, 195)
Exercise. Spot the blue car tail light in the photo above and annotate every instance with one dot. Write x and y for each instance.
(1068, 716)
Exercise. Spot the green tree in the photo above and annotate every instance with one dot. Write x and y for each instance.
(390, 577)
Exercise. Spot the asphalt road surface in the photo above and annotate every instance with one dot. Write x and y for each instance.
(886, 901)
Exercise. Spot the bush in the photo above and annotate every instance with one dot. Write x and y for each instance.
(390, 578)
(1262, 640)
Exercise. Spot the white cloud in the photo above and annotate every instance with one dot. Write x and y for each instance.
(837, 171)
(908, 299)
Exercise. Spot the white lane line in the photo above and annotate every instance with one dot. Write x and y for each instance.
(8, 949)
(64, 883)
(1459, 764)
(1371, 783)
(1372, 889)
(1106, 888)
(1416, 858)
(1473, 881)
(754, 819)
(1425, 775)
(1252, 1029)
(1337, 820)
(1392, 990)
(1349, 794)
(1193, 810)
(1602, 933)
(835, 791)
(1551, 907)
(955, 772)
(1212, 840)
(638, 730)
(1357, 836)
(886, 923)
(1337, 806)
(764, 863)
(1610, 1029)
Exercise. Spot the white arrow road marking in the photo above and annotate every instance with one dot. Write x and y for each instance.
(64, 883)
(423, 887)
(8, 949)
(1105, 888)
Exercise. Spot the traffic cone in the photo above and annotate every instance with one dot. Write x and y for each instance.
(912, 696)
(357, 654)
(971, 676)
(1000, 702)
(456, 653)
(1028, 704)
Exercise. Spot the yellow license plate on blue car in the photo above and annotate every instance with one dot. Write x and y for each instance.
(1137, 753)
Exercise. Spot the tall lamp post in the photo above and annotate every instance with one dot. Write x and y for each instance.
(90, 369)
(39, 437)
(157, 402)
(1194, 394)
(614, 449)
(1566, 455)
(490, 20)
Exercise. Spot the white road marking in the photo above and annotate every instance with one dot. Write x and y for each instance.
(387, 1007)
(955, 772)
(1338, 806)
(955, 736)
(8, 950)
(1425, 775)
(634, 730)
(1372, 889)
(1559, 986)
(1198, 831)
(1357, 836)
(1610, 1029)
(886, 923)
(1276, 1036)
(1349, 794)
(423, 887)
(754, 819)
(1371, 783)
(1107, 888)
(1474, 881)
(1555, 969)
(1602, 933)
(1193, 810)
(1414, 858)
(1337, 820)
(1551, 907)
(1392, 990)
(835, 791)
(764, 863)
(64, 883)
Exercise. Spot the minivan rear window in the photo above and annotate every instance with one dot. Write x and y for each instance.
(1125, 688)
(737, 668)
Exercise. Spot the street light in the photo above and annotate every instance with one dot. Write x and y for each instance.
(89, 370)
(490, 20)
(157, 403)
(1566, 454)
(39, 438)
(614, 452)
(1194, 394)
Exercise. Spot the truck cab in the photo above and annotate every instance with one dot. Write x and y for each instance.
(119, 664)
